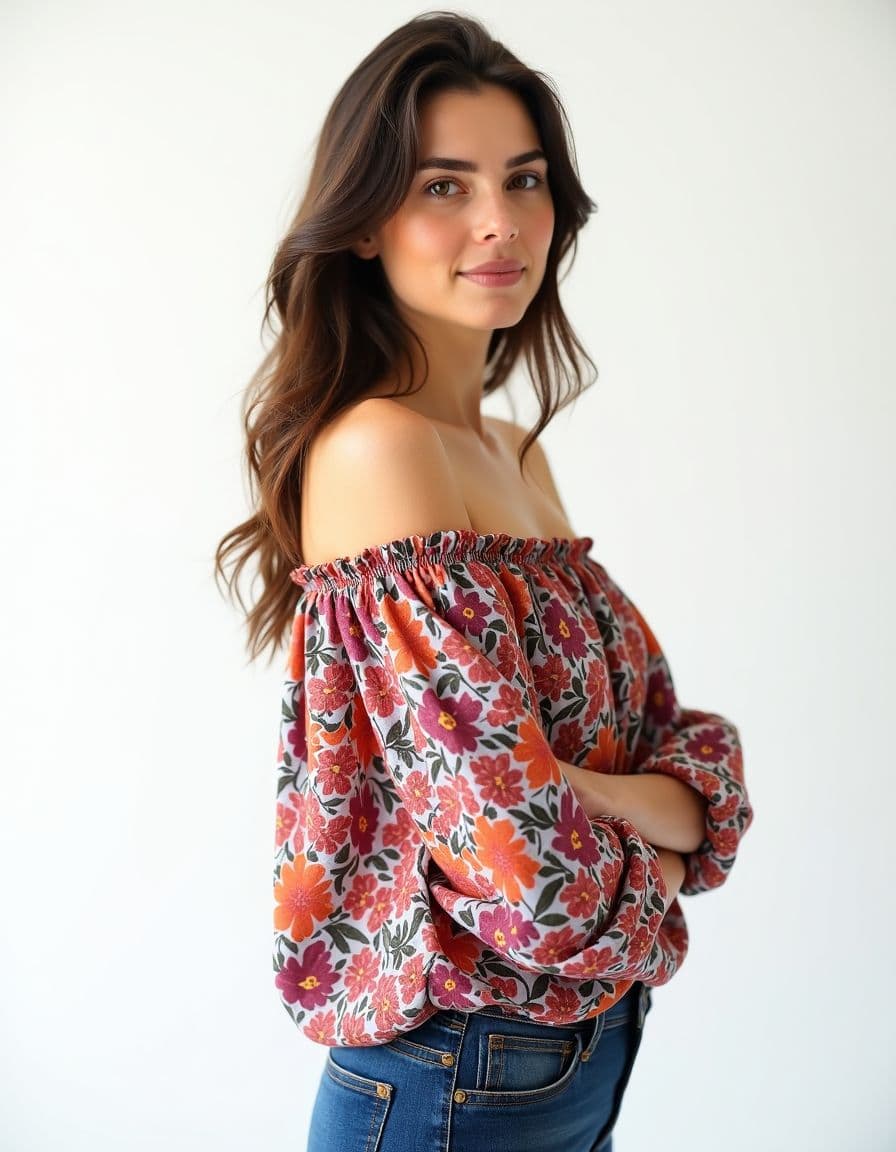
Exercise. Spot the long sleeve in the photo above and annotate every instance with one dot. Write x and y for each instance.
(435, 661)
(703, 750)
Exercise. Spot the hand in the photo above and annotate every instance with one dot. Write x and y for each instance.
(587, 786)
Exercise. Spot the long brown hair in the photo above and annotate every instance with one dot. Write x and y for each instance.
(339, 331)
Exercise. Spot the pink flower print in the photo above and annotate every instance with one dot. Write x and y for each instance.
(322, 1028)
(455, 797)
(354, 1031)
(556, 946)
(381, 908)
(285, 823)
(385, 1000)
(506, 657)
(505, 929)
(381, 695)
(449, 987)
(551, 678)
(364, 818)
(498, 782)
(411, 977)
(361, 972)
(360, 897)
(336, 769)
(574, 837)
(295, 731)
(469, 613)
(563, 628)
(416, 791)
(660, 702)
(399, 830)
(308, 979)
(503, 989)
(349, 628)
(505, 708)
(597, 692)
(332, 691)
(332, 833)
(708, 745)
(567, 741)
(562, 1003)
(450, 721)
(581, 897)
(597, 963)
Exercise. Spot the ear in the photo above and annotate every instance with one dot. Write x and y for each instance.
(366, 248)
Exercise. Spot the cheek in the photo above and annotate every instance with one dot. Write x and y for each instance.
(543, 226)
(423, 235)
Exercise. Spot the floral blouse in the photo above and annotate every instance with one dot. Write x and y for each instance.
(430, 854)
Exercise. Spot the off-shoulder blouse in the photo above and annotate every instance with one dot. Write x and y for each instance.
(430, 854)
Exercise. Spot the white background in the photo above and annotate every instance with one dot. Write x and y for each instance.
(733, 463)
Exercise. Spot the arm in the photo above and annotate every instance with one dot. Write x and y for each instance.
(666, 811)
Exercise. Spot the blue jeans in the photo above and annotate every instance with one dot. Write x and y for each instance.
(482, 1081)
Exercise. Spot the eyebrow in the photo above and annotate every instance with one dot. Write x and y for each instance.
(469, 166)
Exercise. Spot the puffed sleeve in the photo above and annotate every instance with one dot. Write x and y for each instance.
(430, 652)
(700, 748)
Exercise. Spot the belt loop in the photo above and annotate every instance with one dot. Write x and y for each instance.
(597, 1026)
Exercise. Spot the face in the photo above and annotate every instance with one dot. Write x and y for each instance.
(453, 220)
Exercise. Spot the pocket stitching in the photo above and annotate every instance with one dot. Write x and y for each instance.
(354, 1082)
(508, 1099)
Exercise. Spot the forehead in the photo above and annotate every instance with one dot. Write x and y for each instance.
(472, 122)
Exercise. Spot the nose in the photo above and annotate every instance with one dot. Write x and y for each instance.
(497, 219)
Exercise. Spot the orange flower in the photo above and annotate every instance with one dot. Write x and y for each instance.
(515, 591)
(303, 896)
(507, 859)
(534, 750)
(410, 647)
(297, 647)
(602, 755)
(362, 735)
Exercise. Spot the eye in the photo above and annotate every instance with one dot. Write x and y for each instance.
(435, 184)
(530, 176)
(518, 176)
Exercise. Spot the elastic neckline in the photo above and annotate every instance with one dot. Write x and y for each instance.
(443, 546)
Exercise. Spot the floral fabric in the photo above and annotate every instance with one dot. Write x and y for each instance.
(430, 854)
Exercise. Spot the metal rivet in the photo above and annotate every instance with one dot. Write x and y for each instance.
(382, 1089)
(459, 1096)
(586, 1055)
(447, 1059)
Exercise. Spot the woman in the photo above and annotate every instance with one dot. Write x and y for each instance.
(489, 797)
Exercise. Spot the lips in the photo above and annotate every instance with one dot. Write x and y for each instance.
(494, 266)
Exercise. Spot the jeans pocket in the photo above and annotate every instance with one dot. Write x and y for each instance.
(525, 1063)
(349, 1112)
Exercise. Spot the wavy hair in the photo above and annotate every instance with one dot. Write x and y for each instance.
(338, 328)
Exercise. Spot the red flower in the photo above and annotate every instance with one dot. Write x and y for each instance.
(308, 978)
(574, 837)
(332, 691)
(497, 780)
(449, 987)
(709, 745)
(364, 818)
(450, 721)
(335, 770)
(552, 677)
(469, 612)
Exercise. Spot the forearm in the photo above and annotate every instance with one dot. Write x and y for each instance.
(667, 812)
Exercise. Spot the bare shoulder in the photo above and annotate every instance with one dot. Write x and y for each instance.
(377, 473)
(536, 462)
